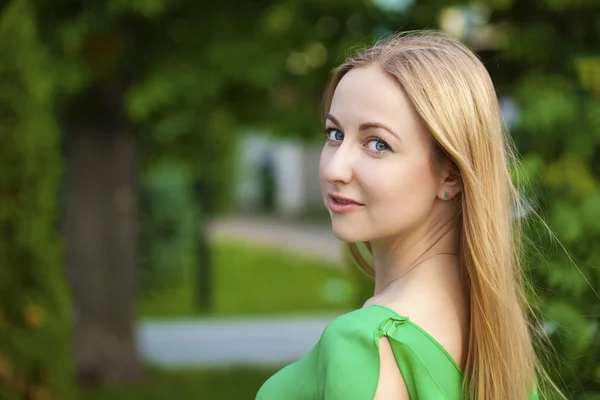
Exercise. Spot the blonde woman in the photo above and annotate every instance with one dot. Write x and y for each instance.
(416, 166)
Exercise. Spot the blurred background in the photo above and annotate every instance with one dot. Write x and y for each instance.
(162, 233)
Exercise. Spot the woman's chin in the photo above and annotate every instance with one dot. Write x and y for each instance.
(348, 234)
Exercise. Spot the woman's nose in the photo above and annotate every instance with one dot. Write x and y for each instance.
(336, 164)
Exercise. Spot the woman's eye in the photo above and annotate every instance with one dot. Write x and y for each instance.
(333, 134)
(378, 146)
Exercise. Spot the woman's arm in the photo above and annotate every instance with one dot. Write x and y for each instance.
(391, 385)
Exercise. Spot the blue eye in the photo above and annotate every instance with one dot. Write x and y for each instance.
(379, 147)
(333, 135)
(374, 145)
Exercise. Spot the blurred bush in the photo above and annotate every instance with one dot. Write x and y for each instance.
(168, 227)
(35, 360)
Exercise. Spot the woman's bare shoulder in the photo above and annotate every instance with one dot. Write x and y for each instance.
(446, 321)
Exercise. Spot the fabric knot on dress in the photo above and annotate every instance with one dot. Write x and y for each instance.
(389, 326)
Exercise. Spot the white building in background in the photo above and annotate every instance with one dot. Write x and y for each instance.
(278, 174)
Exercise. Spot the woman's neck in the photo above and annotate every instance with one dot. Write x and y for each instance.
(414, 256)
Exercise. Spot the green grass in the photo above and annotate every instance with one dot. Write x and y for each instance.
(235, 384)
(250, 280)
(194, 384)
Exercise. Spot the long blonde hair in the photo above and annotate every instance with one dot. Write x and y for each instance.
(454, 95)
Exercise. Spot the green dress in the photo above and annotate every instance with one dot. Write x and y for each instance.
(344, 364)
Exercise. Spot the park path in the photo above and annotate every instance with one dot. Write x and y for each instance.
(229, 342)
(305, 238)
(224, 342)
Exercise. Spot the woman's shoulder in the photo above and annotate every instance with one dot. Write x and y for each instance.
(360, 332)
(364, 319)
(353, 333)
(361, 328)
(443, 321)
(350, 359)
(443, 328)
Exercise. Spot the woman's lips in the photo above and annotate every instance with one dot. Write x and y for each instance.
(336, 206)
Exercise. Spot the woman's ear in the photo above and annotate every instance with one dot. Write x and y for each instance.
(450, 184)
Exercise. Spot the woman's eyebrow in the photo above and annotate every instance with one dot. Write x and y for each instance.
(367, 125)
(334, 120)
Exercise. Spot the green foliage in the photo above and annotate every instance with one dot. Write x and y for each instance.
(34, 320)
(548, 62)
(149, 9)
(168, 227)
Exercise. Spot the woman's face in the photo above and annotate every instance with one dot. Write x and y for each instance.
(377, 154)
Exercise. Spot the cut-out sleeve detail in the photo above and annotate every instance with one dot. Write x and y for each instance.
(388, 327)
(350, 361)
(428, 371)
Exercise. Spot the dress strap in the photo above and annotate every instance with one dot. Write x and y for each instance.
(422, 360)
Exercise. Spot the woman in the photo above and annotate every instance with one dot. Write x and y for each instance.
(416, 165)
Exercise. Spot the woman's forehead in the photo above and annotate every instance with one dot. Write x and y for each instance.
(368, 94)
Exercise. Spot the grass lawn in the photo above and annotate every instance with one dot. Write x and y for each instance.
(232, 384)
(235, 384)
(250, 280)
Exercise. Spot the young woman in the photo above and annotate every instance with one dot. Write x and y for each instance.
(416, 165)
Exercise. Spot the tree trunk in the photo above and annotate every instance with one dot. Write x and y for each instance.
(100, 227)
(204, 265)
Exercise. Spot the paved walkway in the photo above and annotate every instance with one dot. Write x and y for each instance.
(221, 343)
(306, 238)
(248, 341)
